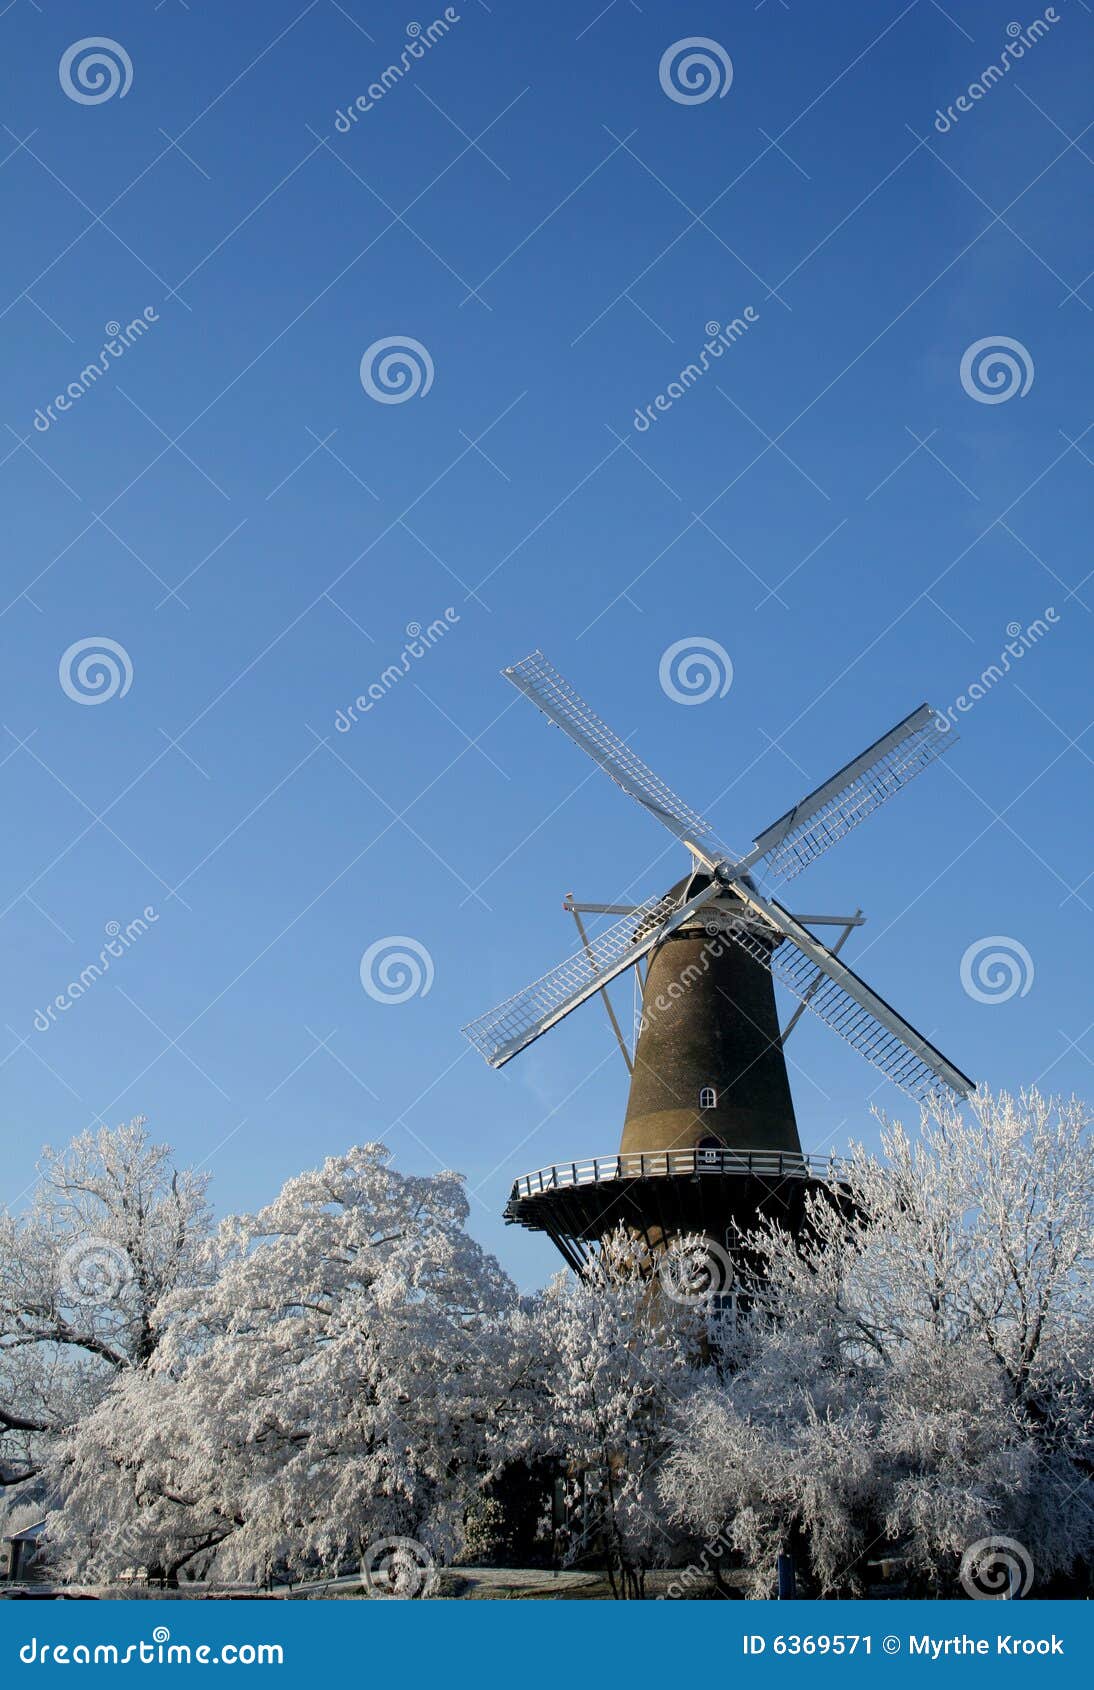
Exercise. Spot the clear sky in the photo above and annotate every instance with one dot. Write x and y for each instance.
(227, 504)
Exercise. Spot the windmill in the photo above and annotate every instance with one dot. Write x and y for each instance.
(710, 1136)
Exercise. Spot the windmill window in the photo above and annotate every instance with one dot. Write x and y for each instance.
(708, 1098)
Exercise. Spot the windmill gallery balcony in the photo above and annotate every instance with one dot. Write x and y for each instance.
(662, 1194)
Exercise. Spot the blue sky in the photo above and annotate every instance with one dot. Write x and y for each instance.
(230, 507)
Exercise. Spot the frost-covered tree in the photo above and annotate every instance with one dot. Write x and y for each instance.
(338, 1382)
(112, 1227)
(919, 1371)
(614, 1355)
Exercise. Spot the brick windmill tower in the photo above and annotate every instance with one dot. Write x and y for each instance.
(710, 1137)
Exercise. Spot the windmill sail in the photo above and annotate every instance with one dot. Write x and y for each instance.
(849, 1006)
(853, 793)
(540, 681)
(503, 1032)
(772, 937)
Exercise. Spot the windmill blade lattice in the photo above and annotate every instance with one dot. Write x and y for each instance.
(504, 1031)
(550, 692)
(850, 1007)
(853, 793)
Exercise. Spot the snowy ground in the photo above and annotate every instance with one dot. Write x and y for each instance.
(490, 1584)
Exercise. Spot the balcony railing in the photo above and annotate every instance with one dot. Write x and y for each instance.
(668, 1164)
